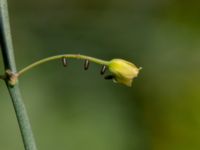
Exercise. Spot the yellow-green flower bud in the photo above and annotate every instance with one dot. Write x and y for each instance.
(123, 71)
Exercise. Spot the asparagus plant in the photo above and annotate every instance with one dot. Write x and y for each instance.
(121, 71)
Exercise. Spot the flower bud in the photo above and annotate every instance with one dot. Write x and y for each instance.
(123, 71)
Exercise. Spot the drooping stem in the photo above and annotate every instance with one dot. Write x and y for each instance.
(9, 63)
(76, 56)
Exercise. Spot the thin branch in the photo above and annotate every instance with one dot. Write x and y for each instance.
(76, 56)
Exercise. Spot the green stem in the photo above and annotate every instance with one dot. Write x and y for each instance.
(9, 64)
(76, 56)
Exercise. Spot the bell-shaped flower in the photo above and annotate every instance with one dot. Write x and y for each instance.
(123, 71)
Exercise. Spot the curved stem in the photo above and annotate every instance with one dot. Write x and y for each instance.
(76, 56)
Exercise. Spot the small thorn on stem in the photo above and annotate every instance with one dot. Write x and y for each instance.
(109, 77)
(86, 64)
(103, 70)
(64, 62)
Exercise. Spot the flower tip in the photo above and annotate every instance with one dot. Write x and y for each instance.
(123, 71)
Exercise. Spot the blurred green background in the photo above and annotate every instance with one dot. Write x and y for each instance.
(73, 109)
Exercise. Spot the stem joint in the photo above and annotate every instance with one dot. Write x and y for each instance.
(11, 77)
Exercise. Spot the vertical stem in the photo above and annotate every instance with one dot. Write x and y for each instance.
(9, 63)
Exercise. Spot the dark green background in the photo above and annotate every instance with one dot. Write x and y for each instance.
(71, 109)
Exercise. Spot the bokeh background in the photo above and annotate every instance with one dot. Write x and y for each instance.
(73, 109)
